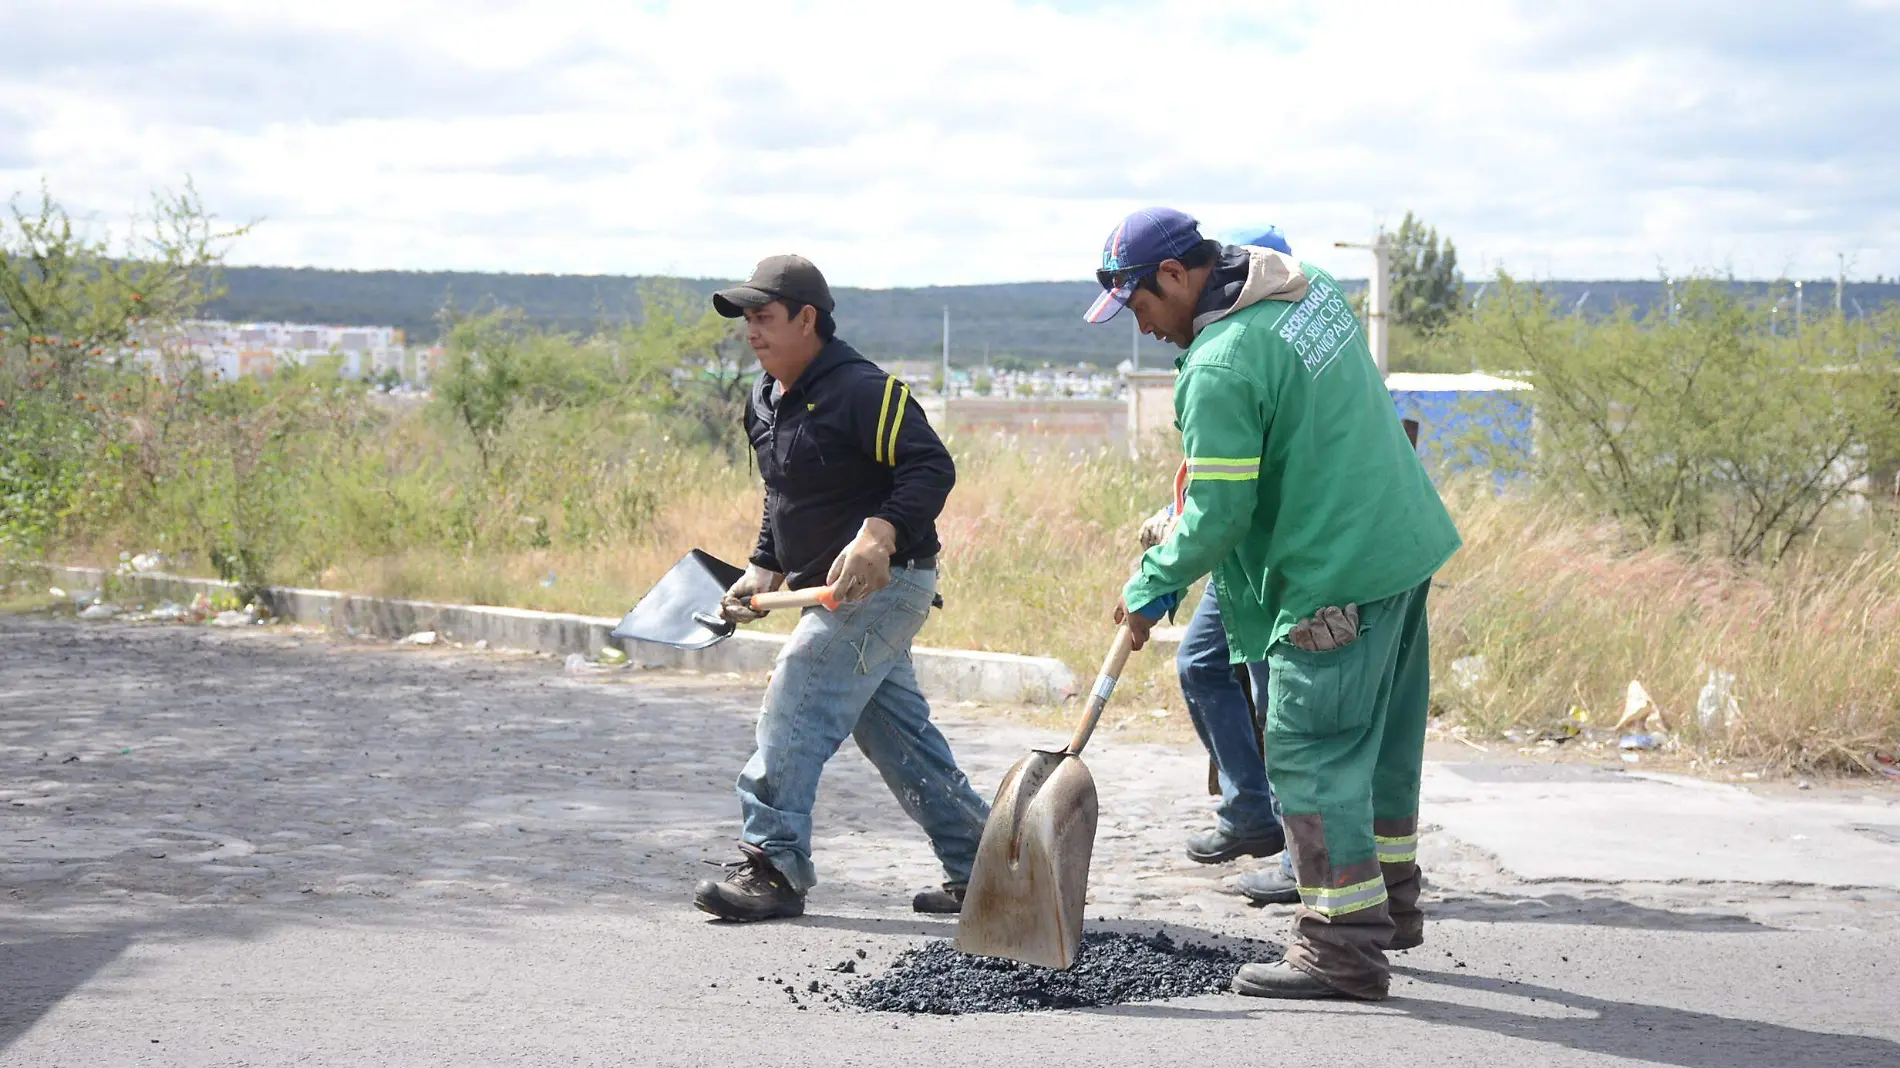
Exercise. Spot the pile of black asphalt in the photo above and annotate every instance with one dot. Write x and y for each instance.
(1112, 968)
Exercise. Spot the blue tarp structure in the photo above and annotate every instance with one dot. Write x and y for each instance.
(1461, 417)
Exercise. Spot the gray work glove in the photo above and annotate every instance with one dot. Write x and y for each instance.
(756, 579)
(1156, 528)
(864, 567)
(1326, 630)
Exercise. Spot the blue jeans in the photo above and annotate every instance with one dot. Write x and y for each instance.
(1217, 703)
(848, 674)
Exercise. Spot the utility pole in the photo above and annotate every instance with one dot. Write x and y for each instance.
(1797, 308)
(1376, 298)
(1840, 289)
(946, 350)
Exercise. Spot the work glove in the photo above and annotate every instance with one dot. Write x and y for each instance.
(1326, 630)
(1157, 527)
(864, 567)
(733, 606)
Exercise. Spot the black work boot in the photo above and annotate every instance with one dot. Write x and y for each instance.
(1410, 933)
(1269, 886)
(754, 891)
(1279, 980)
(947, 901)
(1215, 846)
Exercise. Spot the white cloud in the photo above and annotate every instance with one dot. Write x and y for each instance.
(981, 141)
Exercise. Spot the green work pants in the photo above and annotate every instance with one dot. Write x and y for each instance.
(1345, 744)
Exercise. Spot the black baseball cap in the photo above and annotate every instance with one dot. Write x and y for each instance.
(793, 278)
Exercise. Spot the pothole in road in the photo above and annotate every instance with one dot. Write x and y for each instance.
(1112, 968)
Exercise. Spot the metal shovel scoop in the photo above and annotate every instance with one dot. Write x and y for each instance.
(1031, 877)
(682, 609)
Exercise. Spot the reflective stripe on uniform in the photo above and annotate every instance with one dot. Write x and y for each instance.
(883, 419)
(1396, 849)
(1340, 900)
(1223, 469)
(897, 423)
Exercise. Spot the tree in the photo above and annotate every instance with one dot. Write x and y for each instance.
(76, 309)
(1427, 287)
(1698, 425)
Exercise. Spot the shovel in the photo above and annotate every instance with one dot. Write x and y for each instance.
(1026, 891)
(682, 609)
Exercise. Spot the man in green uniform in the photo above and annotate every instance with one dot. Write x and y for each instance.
(1322, 531)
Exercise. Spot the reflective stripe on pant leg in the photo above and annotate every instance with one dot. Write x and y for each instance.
(1333, 901)
(1396, 849)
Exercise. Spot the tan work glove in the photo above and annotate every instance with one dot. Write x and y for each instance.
(865, 565)
(1156, 528)
(734, 606)
(1326, 630)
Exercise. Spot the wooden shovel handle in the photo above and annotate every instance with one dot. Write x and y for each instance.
(818, 595)
(1104, 687)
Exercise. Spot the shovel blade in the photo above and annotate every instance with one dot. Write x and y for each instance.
(1031, 876)
(682, 608)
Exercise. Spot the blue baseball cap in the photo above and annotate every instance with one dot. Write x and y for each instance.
(1259, 237)
(1136, 249)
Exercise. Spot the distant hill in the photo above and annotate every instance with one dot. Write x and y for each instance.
(1031, 321)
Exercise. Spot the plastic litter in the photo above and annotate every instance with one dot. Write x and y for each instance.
(99, 611)
(612, 657)
(421, 637)
(1468, 672)
(232, 618)
(169, 612)
(1639, 741)
(1716, 709)
(1637, 708)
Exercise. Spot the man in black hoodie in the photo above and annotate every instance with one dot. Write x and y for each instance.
(854, 480)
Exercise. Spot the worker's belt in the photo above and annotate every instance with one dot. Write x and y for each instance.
(923, 563)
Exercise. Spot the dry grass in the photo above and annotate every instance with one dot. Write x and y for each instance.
(1037, 545)
(1566, 617)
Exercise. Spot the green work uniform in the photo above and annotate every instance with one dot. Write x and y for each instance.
(1304, 493)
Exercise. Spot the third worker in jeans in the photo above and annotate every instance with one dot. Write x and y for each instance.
(1247, 822)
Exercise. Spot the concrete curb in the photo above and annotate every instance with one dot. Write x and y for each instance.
(944, 674)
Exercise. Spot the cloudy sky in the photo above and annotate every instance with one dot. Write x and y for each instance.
(981, 140)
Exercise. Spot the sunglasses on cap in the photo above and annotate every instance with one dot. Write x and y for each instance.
(1125, 276)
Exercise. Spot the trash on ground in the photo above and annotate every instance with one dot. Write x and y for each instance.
(1716, 709)
(55, 591)
(612, 656)
(1468, 672)
(1111, 969)
(231, 618)
(99, 611)
(1887, 765)
(1637, 708)
(421, 637)
(481, 645)
(169, 612)
(1632, 758)
(1639, 741)
(1159, 713)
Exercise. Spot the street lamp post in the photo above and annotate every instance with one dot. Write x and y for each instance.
(1377, 297)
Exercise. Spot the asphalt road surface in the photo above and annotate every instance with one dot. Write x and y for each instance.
(265, 848)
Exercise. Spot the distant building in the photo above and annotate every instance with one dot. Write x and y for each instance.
(239, 350)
